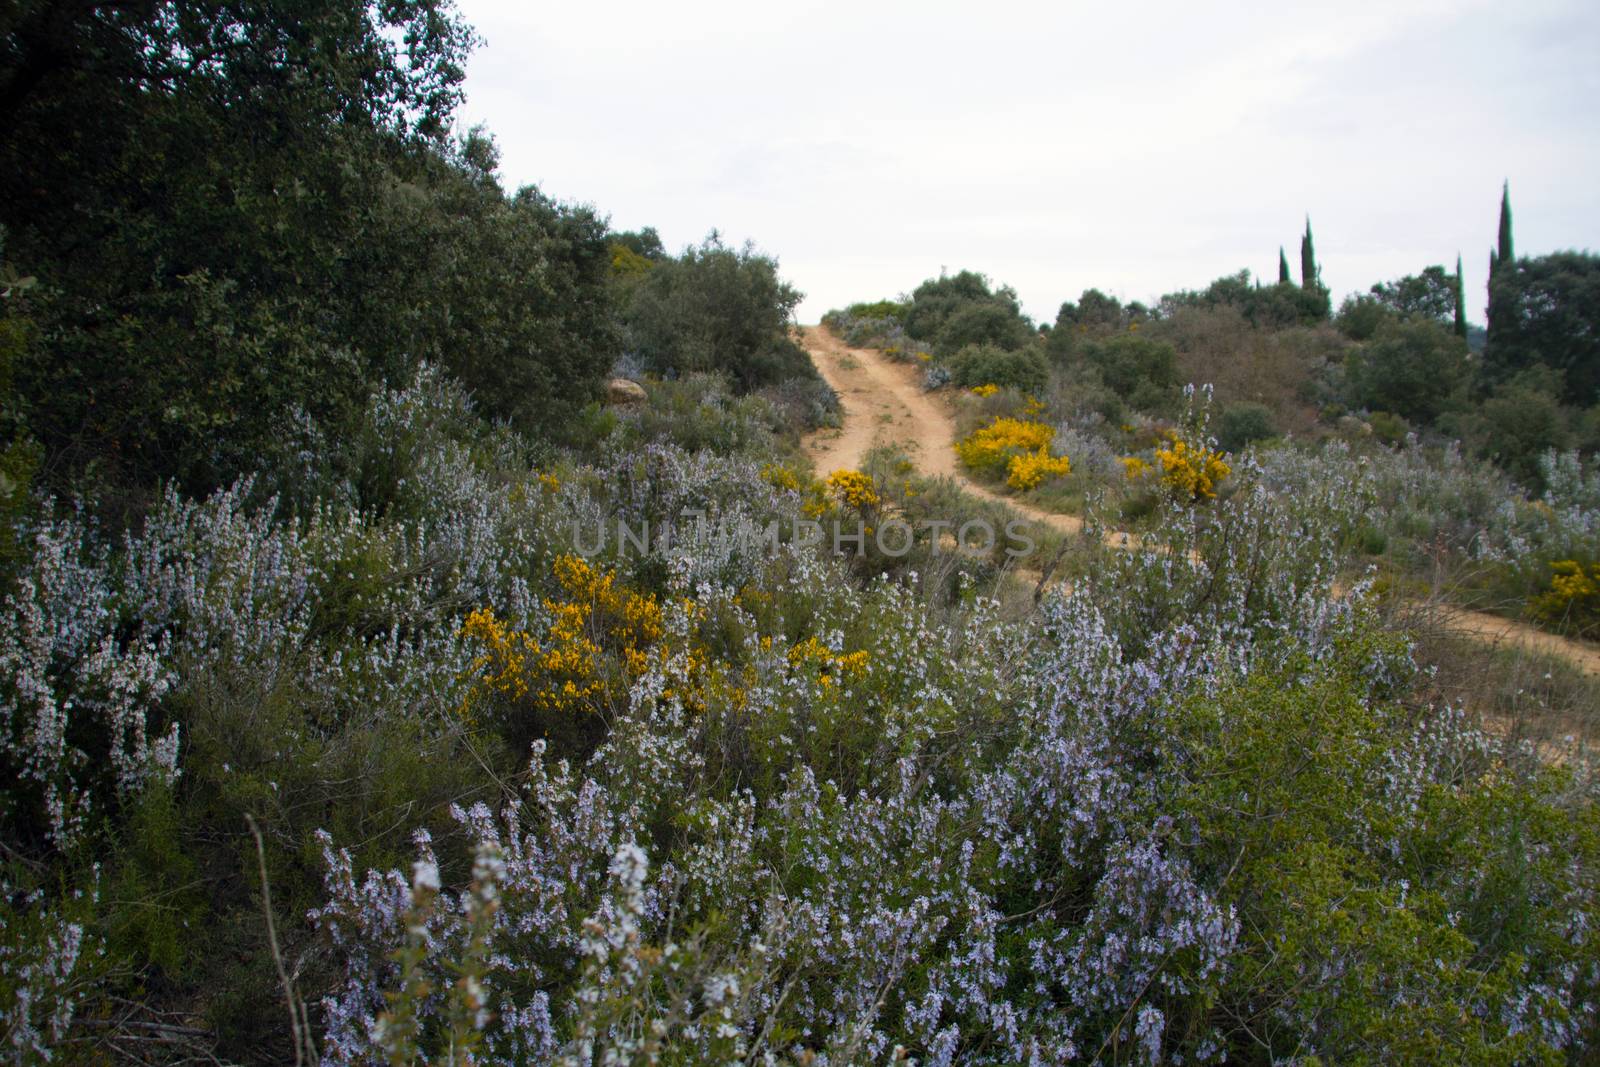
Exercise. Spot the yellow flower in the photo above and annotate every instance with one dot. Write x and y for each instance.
(1134, 467)
(1019, 447)
(1191, 472)
(853, 488)
(1028, 469)
(812, 653)
(985, 390)
(780, 477)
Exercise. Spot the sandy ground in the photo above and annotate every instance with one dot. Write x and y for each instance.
(884, 403)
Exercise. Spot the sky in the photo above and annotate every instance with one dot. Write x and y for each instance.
(1138, 148)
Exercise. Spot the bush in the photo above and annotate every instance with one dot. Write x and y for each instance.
(1143, 372)
(1190, 470)
(1410, 368)
(952, 311)
(980, 365)
(1242, 424)
(1571, 600)
(718, 310)
(1521, 420)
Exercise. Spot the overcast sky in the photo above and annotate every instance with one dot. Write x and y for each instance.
(1135, 147)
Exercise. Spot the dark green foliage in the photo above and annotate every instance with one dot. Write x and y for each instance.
(1546, 311)
(1429, 295)
(1283, 268)
(953, 311)
(1309, 279)
(1520, 421)
(19, 455)
(645, 243)
(1268, 307)
(1507, 255)
(977, 365)
(720, 310)
(1242, 423)
(237, 212)
(1410, 368)
(1361, 316)
(1094, 310)
(1459, 312)
(1141, 371)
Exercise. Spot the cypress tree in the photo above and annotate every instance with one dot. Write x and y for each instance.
(1507, 256)
(1461, 301)
(1283, 267)
(1308, 260)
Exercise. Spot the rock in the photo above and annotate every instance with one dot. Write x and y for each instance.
(620, 392)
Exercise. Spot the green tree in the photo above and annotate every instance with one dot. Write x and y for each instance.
(717, 309)
(980, 364)
(1507, 254)
(1546, 312)
(1264, 306)
(1142, 371)
(952, 311)
(1521, 420)
(235, 211)
(1460, 311)
(195, 185)
(1309, 279)
(1429, 295)
(1410, 368)
(1283, 268)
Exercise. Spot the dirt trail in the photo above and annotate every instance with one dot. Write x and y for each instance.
(884, 403)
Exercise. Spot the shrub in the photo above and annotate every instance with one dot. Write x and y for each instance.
(1410, 368)
(720, 310)
(1243, 423)
(853, 488)
(1029, 469)
(1191, 471)
(991, 448)
(1143, 372)
(1521, 420)
(979, 365)
(1571, 601)
(952, 311)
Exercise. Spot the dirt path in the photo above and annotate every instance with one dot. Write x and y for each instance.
(884, 403)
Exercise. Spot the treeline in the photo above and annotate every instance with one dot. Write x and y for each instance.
(219, 219)
(1400, 358)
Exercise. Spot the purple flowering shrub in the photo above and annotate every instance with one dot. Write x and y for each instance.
(1190, 809)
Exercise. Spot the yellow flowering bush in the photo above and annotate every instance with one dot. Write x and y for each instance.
(853, 488)
(561, 672)
(1029, 469)
(1134, 467)
(1191, 471)
(780, 477)
(1019, 447)
(831, 666)
(1572, 599)
(985, 390)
